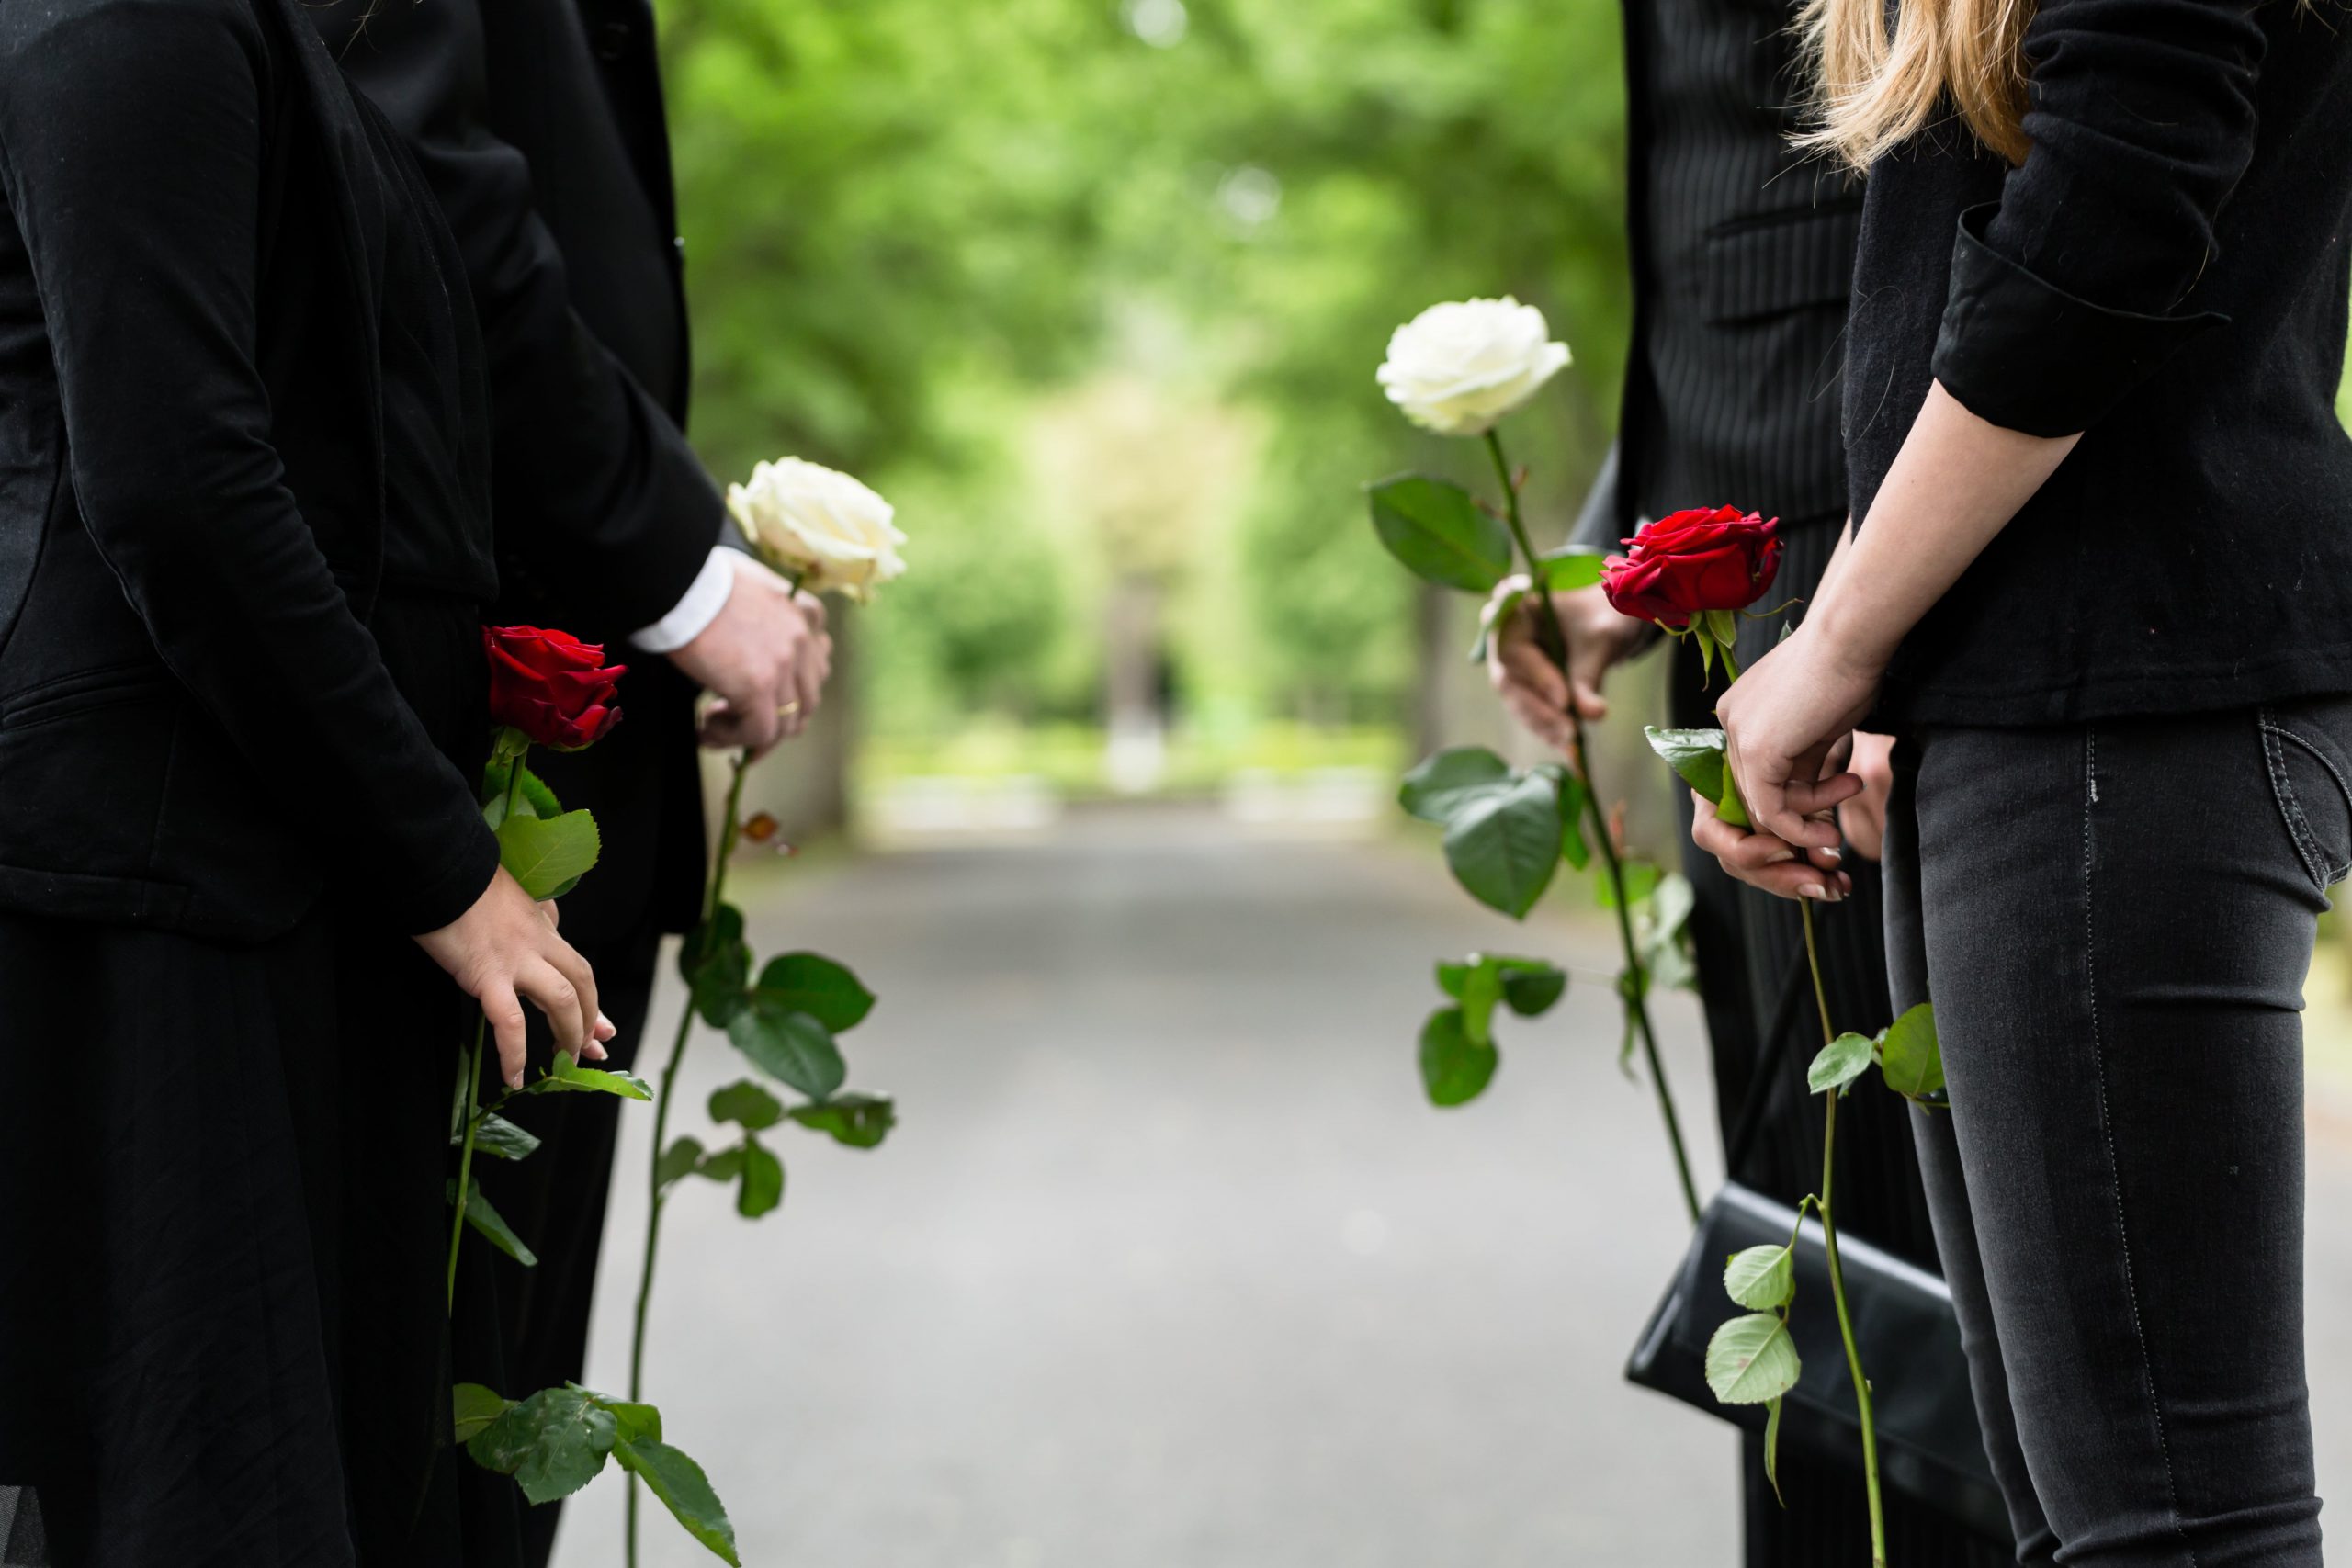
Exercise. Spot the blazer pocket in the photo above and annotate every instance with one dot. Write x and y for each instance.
(84, 691)
(1769, 263)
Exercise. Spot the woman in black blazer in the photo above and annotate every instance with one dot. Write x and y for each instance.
(2099, 583)
(243, 542)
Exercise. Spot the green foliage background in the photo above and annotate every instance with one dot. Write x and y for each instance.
(1094, 288)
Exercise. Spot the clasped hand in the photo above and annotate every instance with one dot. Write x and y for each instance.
(1789, 734)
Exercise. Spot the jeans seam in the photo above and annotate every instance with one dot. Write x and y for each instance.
(2315, 858)
(2107, 1134)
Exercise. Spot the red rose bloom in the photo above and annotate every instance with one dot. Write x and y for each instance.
(554, 688)
(1692, 561)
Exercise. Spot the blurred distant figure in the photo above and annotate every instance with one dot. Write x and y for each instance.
(1743, 259)
(540, 126)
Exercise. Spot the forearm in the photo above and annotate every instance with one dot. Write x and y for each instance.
(1956, 484)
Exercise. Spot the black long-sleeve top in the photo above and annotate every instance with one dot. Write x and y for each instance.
(2167, 273)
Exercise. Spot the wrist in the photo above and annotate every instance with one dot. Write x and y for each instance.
(1855, 633)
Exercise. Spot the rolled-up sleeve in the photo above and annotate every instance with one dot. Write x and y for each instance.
(2067, 294)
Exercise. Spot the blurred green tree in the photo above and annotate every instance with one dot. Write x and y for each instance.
(899, 210)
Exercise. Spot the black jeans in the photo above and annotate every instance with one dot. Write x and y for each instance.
(2114, 922)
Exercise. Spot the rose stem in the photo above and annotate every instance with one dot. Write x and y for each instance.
(711, 900)
(1836, 1274)
(1633, 988)
(473, 1092)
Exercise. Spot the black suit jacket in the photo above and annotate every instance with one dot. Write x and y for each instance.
(196, 722)
(1743, 258)
(539, 125)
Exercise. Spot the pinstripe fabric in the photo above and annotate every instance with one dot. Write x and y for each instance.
(1742, 260)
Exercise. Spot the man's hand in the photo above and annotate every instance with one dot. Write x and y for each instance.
(1864, 818)
(1536, 690)
(765, 656)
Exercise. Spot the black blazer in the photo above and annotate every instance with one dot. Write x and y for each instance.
(2167, 271)
(196, 724)
(540, 126)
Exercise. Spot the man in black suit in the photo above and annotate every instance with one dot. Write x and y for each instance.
(1743, 257)
(540, 126)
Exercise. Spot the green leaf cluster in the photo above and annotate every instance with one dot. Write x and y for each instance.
(1458, 1055)
(1905, 1051)
(1507, 829)
(787, 1022)
(557, 1440)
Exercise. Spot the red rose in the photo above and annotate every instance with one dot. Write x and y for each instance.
(554, 688)
(1692, 561)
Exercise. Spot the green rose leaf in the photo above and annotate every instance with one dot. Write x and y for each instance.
(1723, 626)
(1751, 1359)
(546, 855)
(1659, 930)
(1698, 756)
(722, 1165)
(681, 1486)
(532, 796)
(1531, 988)
(790, 1047)
(1504, 845)
(1477, 984)
(856, 1120)
(762, 1186)
(496, 1137)
(1772, 1448)
(568, 1076)
(1454, 1070)
(1437, 533)
(1442, 785)
(747, 1105)
(717, 966)
(1909, 1056)
(552, 1443)
(1841, 1061)
(678, 1161)
(1761, 1278)
(1572, 567)
(632, 1422)
(481, 1217)
(808, 982)
(475, 1407)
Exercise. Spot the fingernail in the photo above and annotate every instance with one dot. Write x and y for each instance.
(1783, 854)
(1814, 891)
(513, 1080)
(598, 1054)
(1833, 856)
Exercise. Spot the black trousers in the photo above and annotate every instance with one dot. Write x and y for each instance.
(556, 1202)
(1750, 950)
(2114, 922)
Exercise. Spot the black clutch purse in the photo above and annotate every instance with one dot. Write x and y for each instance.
(1929, 1447)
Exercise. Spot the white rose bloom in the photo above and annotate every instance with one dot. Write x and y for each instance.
(823, 526)
(1457, 369)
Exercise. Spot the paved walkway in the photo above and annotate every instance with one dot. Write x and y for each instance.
(1170, 1266)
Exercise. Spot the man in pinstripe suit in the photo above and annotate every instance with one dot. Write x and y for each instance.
(1742, 260)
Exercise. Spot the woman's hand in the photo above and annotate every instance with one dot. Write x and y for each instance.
(1536, 690)
(506, 948)
(1785, 722)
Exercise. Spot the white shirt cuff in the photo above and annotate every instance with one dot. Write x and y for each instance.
(704, 597)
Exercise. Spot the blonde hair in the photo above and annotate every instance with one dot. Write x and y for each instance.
(1874, 88)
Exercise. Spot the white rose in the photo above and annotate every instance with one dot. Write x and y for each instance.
(824, 527)
(1457, 369)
